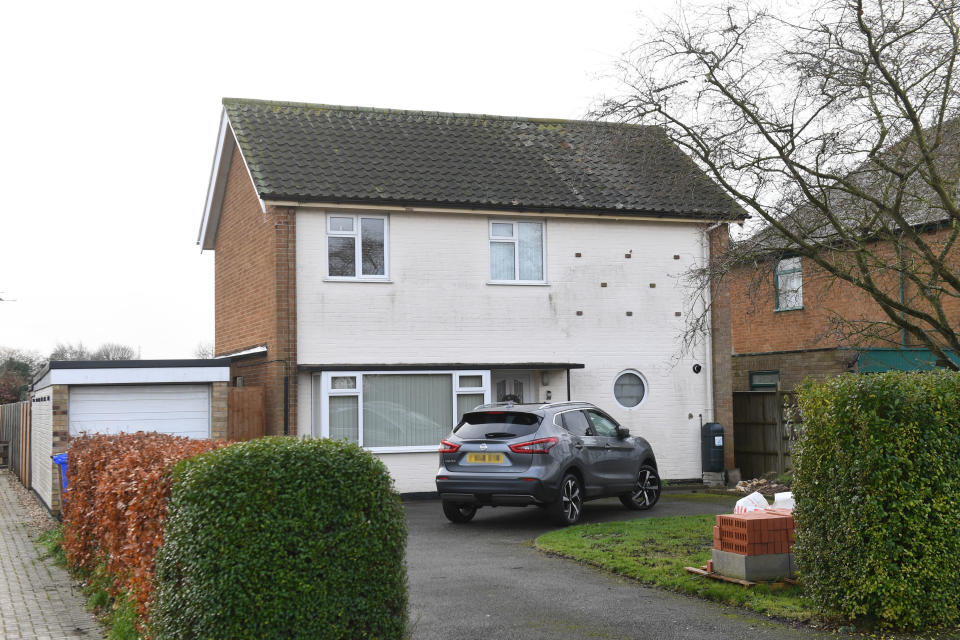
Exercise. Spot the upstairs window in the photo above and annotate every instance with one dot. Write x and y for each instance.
(356, 247)
(788, 281)
(516, 251)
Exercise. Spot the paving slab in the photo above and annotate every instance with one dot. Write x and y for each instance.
(38, 600)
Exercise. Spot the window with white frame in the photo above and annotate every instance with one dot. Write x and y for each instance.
(395, 411)
(356, 246)
(788, 281)
(516, 251)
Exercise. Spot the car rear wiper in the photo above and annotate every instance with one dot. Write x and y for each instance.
(500, 434)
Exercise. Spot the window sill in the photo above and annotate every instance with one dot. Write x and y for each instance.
(517, 283)
(379, 280)
(790, 309)
(425, 449)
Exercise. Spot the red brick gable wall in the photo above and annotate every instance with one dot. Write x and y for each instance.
(255, 281)
(244, 276)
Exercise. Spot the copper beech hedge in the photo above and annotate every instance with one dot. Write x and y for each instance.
(117, 503)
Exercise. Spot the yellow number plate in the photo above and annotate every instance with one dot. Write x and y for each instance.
(484, 458)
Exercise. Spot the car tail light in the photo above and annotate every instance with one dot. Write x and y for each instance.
(448, 447)
(541, 445)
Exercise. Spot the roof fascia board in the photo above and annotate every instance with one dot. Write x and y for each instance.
(373, 206)
(250, 351)
(446, 366)
(146, 375)
(216, 188)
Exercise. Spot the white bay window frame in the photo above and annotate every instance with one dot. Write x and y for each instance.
(357, 236)
(322, 386)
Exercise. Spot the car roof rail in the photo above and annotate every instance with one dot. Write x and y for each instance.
(538, 405)
(491, 405)
(565, 403)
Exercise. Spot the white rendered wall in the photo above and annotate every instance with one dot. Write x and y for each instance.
(41, 444)
(438, 308)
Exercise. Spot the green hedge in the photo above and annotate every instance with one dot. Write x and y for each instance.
(877, 486)
(282, 538)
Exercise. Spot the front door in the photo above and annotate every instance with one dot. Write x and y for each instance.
(512, 385)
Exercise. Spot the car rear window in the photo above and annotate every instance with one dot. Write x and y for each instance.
(496, 424)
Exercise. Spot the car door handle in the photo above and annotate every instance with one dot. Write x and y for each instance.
(578, 445)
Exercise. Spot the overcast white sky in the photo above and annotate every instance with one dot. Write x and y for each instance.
(110, 116)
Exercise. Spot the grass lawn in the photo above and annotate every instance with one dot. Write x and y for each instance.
(655, 551)
(701, 496)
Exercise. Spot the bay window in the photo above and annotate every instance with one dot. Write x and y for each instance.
(395, 411)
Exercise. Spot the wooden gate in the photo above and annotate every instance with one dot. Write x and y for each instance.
(15, 439)
(245, 419)
(761, 434)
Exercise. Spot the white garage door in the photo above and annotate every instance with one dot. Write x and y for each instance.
(177, 409)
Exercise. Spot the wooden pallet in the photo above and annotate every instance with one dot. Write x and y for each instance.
(716, 576)
(702, 571)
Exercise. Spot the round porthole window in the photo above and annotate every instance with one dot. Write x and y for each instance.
(629, 389)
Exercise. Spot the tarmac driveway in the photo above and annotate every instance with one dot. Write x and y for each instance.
(484, 580)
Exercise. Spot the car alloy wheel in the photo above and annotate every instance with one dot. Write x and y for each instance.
(645, 492)
(569, 507)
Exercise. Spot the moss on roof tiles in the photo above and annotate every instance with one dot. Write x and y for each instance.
(315, 152)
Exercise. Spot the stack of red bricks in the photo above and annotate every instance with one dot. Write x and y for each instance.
(755, 533)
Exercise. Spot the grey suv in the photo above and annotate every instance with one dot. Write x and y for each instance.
(554, 456)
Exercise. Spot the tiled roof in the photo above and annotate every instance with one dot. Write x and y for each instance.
(320, 153)
(915, 200)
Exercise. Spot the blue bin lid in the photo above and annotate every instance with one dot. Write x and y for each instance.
(60, 458)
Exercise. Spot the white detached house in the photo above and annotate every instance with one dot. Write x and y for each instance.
(380, 272)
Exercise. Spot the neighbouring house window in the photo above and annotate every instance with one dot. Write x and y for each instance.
(764, 380)
(516, 251)
(395, 411)
(788, 281)
(629, 389)
(356, 246)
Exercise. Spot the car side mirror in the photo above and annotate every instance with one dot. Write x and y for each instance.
(623, 433)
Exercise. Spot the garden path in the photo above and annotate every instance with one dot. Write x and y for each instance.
(38, 600)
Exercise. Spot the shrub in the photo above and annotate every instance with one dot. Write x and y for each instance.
(877, 485)
(116, 504)
(282, 538)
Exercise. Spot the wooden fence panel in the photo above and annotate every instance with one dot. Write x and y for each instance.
(6, 432)
(245, 414)
(760, 434)
(15, 432)
(24, 441)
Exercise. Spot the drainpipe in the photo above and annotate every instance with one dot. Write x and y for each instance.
(708, 344)
(903, 330)
(286, 402)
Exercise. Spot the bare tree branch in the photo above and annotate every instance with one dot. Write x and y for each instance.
(838, 129)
